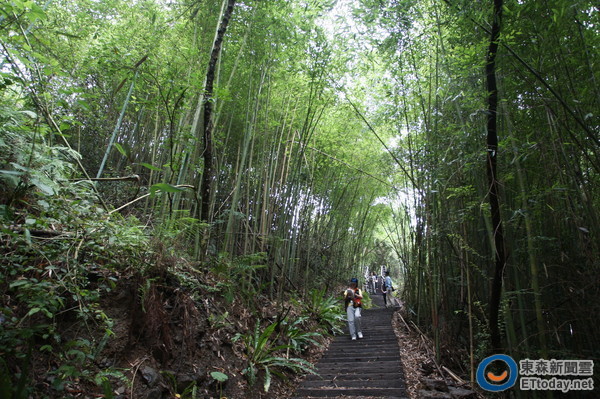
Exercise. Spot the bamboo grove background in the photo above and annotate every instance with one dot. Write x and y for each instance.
(346, 135)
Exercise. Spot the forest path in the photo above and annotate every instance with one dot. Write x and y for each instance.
(365, 368)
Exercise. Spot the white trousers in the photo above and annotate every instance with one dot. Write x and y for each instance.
(353, 320)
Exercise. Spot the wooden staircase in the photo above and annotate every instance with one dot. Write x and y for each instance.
(365, 368)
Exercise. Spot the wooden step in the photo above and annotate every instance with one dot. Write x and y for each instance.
(355, 384)
(332, 369)
(358, 392)
(368, 340)
(332, 361)
(394, 373)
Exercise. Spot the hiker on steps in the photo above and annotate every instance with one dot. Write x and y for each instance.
(352, 301)
(386, 289)
(373, 283)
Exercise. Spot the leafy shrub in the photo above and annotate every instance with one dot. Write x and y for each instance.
(38, 290)
(297, 334)
(58, 249)
(263, 354)
(240, 276)
(325, 310)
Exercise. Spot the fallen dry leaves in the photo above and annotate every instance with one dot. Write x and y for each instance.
(412, 355)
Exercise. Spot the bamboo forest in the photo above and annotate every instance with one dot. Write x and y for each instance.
(216, 198)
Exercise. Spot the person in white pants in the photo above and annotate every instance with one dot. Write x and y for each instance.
(352, 301)
(373, 283)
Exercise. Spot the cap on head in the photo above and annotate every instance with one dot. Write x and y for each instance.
(354, 280)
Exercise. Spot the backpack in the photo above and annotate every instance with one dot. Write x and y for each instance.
(356, 302)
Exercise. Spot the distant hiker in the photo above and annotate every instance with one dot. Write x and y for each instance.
(387, 288)
(352, 302)
(373, 283)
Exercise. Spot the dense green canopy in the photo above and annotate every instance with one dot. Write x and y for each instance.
(347, 136)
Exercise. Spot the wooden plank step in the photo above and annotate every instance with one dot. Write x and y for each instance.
(360, 363)
(368, 350)
(354, 383)
(367, 340)
(360, 392)
(375, 349)
(367, 376)
(387, 345)
(358, 356)
(368, 333)
(373, 369)
(383, 330)
(352, 397)
(345, 359)
(367, 372)
(366, 343)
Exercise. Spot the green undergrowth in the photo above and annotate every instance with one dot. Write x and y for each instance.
(64, 257)
(60, 253)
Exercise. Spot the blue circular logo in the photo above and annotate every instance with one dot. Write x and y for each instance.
(493, 382)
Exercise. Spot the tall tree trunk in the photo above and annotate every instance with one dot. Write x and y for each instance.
(492, 154)
(201, 245)
(207, 173)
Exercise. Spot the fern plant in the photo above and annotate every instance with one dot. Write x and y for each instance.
(263, 354)
(298, 336)
(325, 310)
